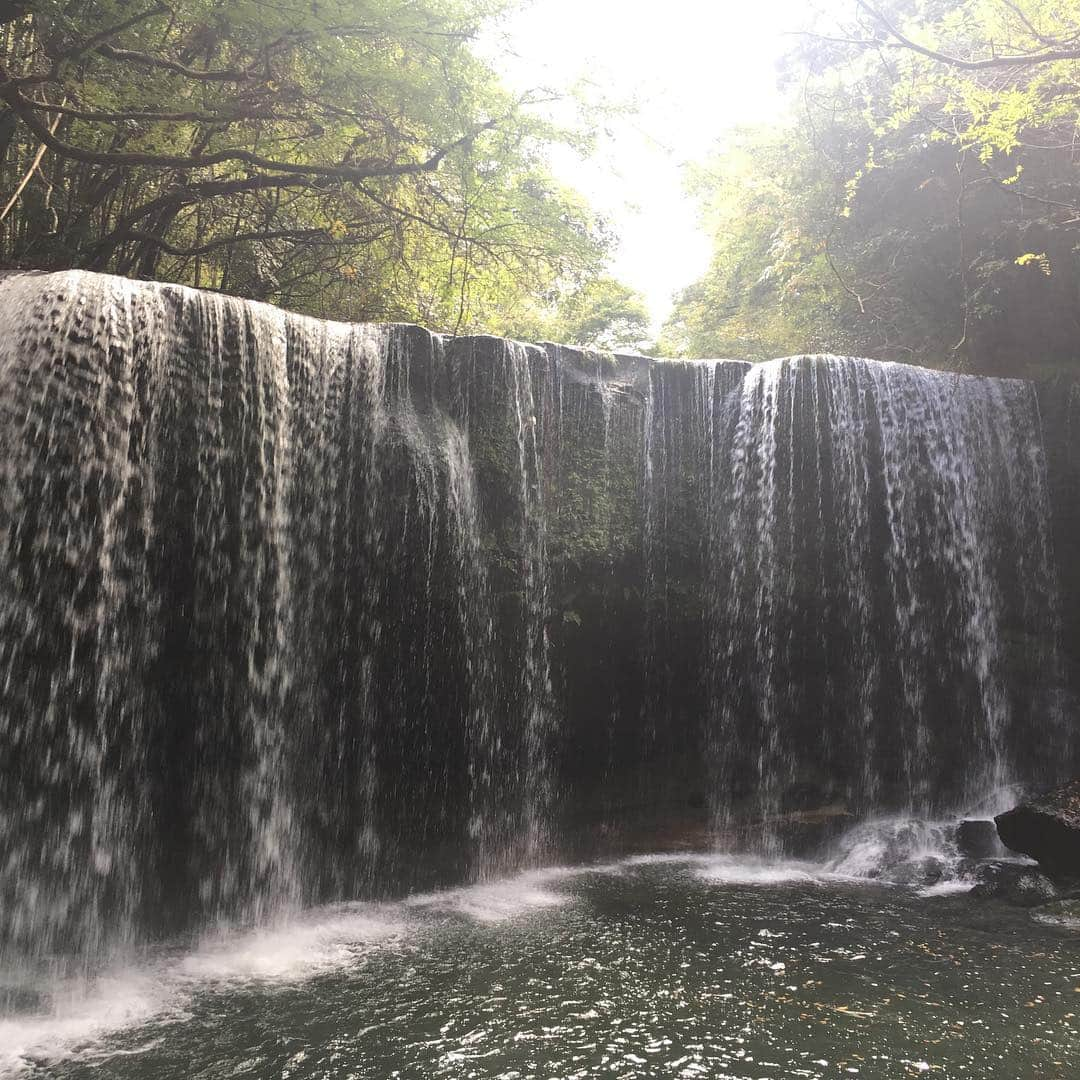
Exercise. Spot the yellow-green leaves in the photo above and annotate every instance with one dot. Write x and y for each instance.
(1041, 262)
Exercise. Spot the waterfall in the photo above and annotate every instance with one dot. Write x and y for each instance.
(498, 408)
(294, 611)
(870, 534)
(254, 654)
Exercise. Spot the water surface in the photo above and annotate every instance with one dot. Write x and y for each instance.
(661, 967)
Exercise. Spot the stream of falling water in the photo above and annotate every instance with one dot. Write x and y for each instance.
(869, 533)
(248, 644)
(277, 599)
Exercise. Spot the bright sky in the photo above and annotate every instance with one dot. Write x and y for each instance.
(695, 69)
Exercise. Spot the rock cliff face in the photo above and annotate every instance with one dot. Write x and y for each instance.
(293, 611)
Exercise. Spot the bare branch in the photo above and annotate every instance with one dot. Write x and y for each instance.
(186, 196)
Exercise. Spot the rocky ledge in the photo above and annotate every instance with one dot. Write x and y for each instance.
(1047, 828)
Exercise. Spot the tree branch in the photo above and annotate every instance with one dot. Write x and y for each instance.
(103, 36)
(1047, 56)
(1049, 42)
(29, 173)
(24, 109)
(130, 56)
(295, 37)
(285, 40)
(226, 241)
(192, 117)
(192, 193)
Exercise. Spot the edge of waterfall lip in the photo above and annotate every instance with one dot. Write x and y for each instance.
(9, 276)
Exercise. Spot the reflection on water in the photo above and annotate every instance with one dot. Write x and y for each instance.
(682, 966)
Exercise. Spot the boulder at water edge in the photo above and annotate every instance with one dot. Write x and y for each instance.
(978, 839)
(1015, 883)
(1048, 829)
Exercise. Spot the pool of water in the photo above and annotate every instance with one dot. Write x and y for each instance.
(653, 967)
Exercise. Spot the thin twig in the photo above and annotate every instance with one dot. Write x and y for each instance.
(29, 172)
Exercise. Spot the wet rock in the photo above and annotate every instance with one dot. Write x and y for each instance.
(928, 870)
(1021, 884)
(1065, 913)
(1048, 829)
(803, 834)
(978, 839)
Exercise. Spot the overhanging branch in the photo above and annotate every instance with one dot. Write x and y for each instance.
(25, 110)
(1045, 56)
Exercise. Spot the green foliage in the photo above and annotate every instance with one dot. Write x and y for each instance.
(601, 313)
(921, 203)
(768, 290)
(349, 158)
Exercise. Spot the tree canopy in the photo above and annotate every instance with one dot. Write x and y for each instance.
(349, 158)
(921, 203)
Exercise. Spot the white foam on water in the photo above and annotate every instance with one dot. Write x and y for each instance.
(749, 870)
(308, 944)
(671, 858)
(950, 887)
(506, 898)
(324, 939)
(79, 1015)
(286, 952)
(889, 848)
